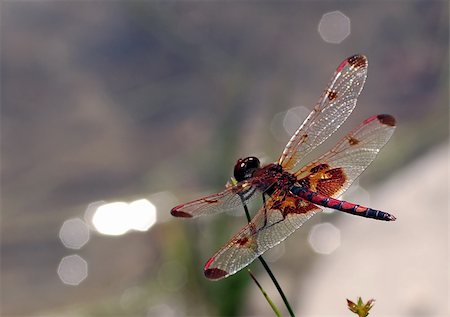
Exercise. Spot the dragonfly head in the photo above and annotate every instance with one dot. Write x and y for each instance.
(245, 168)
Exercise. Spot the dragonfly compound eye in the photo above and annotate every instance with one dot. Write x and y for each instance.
(244, 168)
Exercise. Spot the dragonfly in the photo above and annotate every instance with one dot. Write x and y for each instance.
(291, 193)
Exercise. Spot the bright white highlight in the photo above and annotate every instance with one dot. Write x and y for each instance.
(110, 219)
(119, 217)
(142, 215)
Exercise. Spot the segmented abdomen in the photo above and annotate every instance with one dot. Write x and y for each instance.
(341, 205)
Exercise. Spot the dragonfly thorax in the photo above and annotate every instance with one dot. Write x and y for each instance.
(245, 168)
(283, 178)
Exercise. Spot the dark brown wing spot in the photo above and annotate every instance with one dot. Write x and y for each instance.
(353, 141)
(318, 168)
(242, 241)
(357, 61)
(386, 119)
(178, 213)
(215, 273)
(210, 201)
(332, 95)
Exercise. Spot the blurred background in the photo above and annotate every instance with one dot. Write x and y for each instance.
(114, 112)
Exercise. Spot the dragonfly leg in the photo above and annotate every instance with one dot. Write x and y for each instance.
(265, 210)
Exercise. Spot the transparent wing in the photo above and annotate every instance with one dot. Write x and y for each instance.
(228, 199)
(282, 215)
(332, 109)
(335, 171)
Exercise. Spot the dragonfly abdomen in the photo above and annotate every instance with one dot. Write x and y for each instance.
(341, 205)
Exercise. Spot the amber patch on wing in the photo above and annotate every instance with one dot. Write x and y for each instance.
(303, 207)
(292, 204)
(324, 180)
(332, 182)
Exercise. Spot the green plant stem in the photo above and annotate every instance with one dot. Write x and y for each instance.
(266, 267)
(274, 307)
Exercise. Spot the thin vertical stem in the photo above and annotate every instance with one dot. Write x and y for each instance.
(266, 267)
(274, 307)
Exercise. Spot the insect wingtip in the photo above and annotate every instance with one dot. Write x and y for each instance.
(387, 119)
(215, 273)
(358, 60)
(178, 213)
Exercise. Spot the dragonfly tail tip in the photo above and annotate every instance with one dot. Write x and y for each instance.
(391, 218)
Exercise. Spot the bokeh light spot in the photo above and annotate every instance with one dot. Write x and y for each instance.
(277, 129)
(293, 118)
(90, 211)
(162, 310)
(74, 233)
(131, 296)
(357, 193)
(72, 269)
(110, 219)
(284, 124)
(274, 254)
(334, 27)
(142, 215)
(118, 218)
(324, 238)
